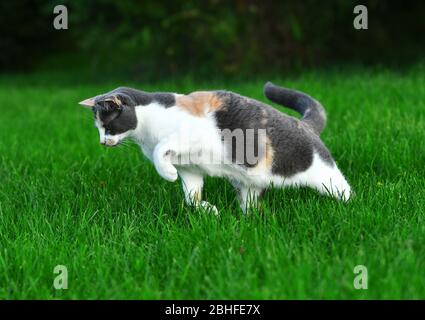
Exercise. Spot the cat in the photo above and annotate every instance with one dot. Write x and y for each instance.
(170, 127)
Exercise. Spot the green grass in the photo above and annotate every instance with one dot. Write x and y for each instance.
(123, 232)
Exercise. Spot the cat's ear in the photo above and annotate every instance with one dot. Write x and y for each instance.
(88, 103)
(115, 100)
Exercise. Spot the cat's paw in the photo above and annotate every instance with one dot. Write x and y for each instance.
(204, 205)
(167, 171)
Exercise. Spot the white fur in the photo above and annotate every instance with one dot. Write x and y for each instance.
(165, 134)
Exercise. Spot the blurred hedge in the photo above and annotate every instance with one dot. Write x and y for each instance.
(210, 35)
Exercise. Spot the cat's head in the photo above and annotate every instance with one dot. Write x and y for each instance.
(114, 114)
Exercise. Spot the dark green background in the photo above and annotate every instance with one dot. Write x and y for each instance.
(165, 38)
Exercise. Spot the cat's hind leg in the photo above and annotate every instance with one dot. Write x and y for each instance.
(192, 183)
(327, 179)
(248, 195)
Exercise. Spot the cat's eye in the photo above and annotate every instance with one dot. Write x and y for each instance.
(107, 130)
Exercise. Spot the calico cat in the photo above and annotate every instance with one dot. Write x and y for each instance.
(180, 133)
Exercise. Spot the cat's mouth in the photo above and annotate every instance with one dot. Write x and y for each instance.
(111, 143)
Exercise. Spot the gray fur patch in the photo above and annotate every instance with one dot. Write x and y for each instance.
(133, 97)
(119, 120)
(293, 141)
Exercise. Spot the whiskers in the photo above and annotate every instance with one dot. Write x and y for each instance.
(125, 144)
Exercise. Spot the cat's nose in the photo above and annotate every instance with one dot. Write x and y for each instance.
(109, 142)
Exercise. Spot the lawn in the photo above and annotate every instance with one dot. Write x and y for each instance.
(123, 232)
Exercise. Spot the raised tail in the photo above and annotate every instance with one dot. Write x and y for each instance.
(312, 111)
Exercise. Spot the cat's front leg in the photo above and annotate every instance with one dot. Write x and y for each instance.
(192, 183)
(162, 160)
(169, 148)
(248, 195)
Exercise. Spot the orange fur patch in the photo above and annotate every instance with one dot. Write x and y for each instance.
(269, 155)
(267, 161)
(199, 103)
